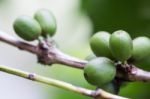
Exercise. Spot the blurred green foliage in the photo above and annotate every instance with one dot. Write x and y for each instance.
(4, 1)
(132, 16)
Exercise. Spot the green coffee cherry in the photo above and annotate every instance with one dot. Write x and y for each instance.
(99, 71)
(47, 22)
(110, 87)
(99, 43)
(90, 57)
(27, 28)
(141, 48)
(121, 45)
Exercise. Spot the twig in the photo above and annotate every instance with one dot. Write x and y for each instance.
(139, 75)
(133, 73)
(20, 44)
(60, 84)
(60, 58)
(47, 53)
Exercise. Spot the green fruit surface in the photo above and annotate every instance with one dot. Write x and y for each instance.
(47, 21)
(121, 45)
(99, 71)
(110, 87)
(27, 28)
(90, 57)
(141, 48)
(99, 44)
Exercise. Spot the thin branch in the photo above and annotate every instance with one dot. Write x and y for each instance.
(60, 84)
(48, 54)
(62, 58)
(133, 73)
(139, 75)
(51, 55)
(20, 44)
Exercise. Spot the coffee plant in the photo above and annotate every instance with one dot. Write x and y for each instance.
(111, 65)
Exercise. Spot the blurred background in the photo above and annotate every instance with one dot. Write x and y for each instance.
(77, 20)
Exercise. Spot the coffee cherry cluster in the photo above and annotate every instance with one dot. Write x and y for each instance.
(43, 24)
(110, 48)
(107, 48)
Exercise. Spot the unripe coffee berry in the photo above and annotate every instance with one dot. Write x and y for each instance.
(141, 48)
(90, 57)
(99, 71)
(27, 28)
(47, 22)
(99, 44)
(110, 87)
(121, 45)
